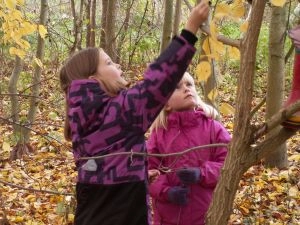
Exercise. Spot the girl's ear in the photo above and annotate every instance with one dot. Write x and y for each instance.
(168, 108)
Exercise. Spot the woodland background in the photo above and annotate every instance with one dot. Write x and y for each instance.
(243, 68)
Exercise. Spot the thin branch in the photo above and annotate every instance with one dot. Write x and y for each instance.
(256, 108)
(269, 145)
(47, 137)
(277, 119)
(34, 190)
(221, 38)
(155, 155)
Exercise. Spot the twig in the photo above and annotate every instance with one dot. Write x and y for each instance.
(34, 190)
(256, 108)
(155, 154)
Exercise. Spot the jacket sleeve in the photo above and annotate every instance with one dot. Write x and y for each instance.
(159, 188)
(143, 102)
(210, 170)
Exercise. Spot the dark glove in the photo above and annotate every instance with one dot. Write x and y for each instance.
(178, 195)
(190, 175)
(295, 36)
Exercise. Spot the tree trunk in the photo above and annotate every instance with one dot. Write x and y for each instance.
(77, 26)
(110, 30)
(177, 17)
(87, 4)
(276, 71)
(235, 163)
(103, 24)
(93, 24)
(13, 91)
(34, 101)
(125, 28)
(167, 29)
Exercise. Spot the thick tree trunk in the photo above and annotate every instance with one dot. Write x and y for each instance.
(235, 163)
(276, 71)
(167, 29)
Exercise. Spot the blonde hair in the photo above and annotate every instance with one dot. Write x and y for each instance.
(161, 119)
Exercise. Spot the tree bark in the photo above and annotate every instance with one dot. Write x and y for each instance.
(177, 17)
(275, 88)
(93, 24)
(87, 4)
(36, 82)
(12, 90)
(235, 164)
(110, 30)
(167, 29)
(77, 26)
(103, 24)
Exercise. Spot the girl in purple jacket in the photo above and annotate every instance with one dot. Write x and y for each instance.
(103, 117)
(182, 192)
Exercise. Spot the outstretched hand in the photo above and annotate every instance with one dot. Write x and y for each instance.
(197, 16)
(295, 36)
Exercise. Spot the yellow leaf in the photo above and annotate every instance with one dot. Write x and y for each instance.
(213, 95)
(16, 51)
(226, 109)
(203, 70)
(20, 2)
(38, 62)
(293, 192)
(237, 10)
(206, 46)
(234, 53)
(11, 4)
(222, 10)
(71, 218)
(213, 30)
(244, 26)
(6, 147)
(295, 157)
(279, 3)
(18, 219)
(42, 31)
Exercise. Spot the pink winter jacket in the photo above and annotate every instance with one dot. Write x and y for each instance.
(185, 130)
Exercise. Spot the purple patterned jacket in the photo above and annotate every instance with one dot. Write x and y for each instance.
(101, 124)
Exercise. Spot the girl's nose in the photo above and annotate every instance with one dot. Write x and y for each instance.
(118, 65)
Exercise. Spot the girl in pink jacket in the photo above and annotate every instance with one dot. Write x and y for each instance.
(181, 194)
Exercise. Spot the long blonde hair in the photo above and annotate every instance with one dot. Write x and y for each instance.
(161, 119)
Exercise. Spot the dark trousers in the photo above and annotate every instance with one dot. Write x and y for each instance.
(118, 204)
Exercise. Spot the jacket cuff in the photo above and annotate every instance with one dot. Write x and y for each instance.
(189, 36)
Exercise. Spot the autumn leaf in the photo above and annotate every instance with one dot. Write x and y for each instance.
(203, 70)
(226, 109)
(42, 31)
(279, 3)
(244, 26)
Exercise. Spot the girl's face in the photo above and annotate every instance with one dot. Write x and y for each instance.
(109, 72)
(184, 97)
